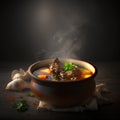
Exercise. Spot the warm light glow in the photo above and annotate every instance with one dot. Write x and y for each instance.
(85, 73)
(86, 76)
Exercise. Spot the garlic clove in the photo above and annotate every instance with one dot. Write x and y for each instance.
(14, 72)
(17, 85)
(22, 72)
(17, 75)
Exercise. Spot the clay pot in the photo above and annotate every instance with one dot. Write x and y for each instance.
(63, 94)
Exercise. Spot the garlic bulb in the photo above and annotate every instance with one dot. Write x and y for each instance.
(18, 82)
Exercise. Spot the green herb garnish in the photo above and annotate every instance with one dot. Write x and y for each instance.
(68, 66)
(22, 106)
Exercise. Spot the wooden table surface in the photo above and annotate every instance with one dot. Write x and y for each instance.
(108, 73)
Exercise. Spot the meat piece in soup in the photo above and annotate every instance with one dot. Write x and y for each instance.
(55, 66)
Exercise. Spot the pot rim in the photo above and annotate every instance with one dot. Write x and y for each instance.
(77, 60)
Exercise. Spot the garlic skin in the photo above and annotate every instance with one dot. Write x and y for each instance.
(18, 73)
(18, 82)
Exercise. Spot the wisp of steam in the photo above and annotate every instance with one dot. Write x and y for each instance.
(58, 31)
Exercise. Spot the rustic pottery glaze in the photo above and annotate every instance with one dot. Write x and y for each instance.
(63, 94)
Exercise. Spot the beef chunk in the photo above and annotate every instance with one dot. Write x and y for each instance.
(55, 66)
(70, 74)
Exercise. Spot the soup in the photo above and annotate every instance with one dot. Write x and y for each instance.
(58, 71)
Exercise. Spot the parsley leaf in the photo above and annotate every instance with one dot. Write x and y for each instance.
(68, 66)
(22, 106)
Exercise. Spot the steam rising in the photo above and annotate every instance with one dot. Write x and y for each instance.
(58, 31)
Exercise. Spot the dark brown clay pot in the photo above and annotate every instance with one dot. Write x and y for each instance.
(63, 94)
